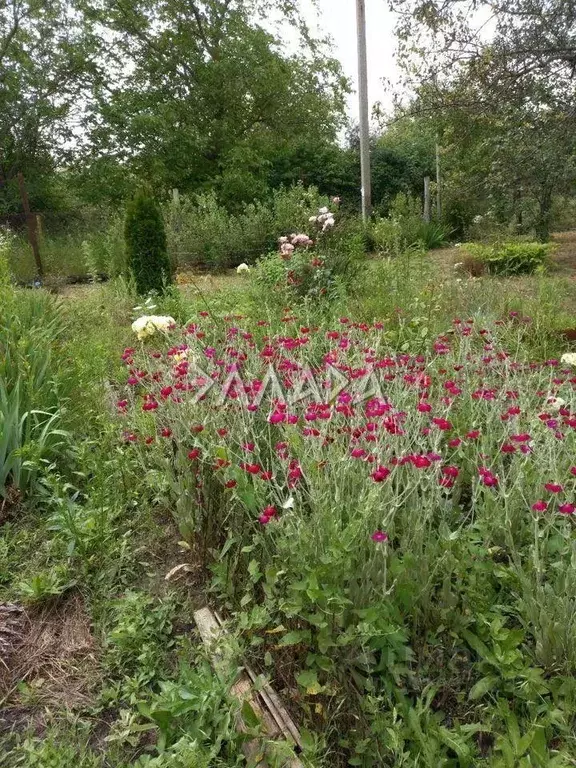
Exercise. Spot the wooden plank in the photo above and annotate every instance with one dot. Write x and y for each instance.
(275, 721)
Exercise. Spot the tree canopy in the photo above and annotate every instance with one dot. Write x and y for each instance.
(177, 92)
(497, 83)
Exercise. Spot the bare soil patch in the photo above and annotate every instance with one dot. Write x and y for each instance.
(55, 655)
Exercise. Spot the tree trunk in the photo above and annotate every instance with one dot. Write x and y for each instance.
(517, 207)
(542, 226)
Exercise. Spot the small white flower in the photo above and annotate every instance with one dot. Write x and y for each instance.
(458, 264)
(555, 402)
(328, 224)
(322, 211)
(242, 268)
(569, 358)
(312, 219)
(289, 503)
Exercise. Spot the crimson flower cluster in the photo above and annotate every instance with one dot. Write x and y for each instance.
(465, 417)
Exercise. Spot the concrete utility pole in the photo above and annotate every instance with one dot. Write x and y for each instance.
(364, 117)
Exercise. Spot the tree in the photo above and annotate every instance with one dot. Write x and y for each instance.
(200, 94)
(45, 64)
(146, 251)
(504, 103)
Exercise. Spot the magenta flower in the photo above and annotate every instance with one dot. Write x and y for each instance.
(450, 471)
(487, 478)
(419, 461)
(567, 508)
(553, 487)
(380, 474)
(540, 506)
(380, 537)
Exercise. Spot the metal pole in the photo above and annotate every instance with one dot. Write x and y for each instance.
(438, 182)
(364, 119)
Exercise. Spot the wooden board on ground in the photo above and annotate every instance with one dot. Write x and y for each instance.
(265, 703)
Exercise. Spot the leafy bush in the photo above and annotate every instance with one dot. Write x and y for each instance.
(104, 251)
(458, 215)
(405, 228)
(147, 256)
(323, 268)
(202, 233)
(510, 258)
(392, 236)
(388, 236)
(5, 277)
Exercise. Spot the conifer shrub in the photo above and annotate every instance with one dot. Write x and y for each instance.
(146, 251)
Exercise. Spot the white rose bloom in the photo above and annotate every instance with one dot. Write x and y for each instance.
(569, 357)
(328, 224)
(242, 268)
(147, 325)
(162, 322)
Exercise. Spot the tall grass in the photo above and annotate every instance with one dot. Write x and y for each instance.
(30, 407)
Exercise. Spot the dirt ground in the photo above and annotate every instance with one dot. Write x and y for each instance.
(54, 658)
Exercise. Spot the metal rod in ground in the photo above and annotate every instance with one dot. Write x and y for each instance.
(364, 116)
